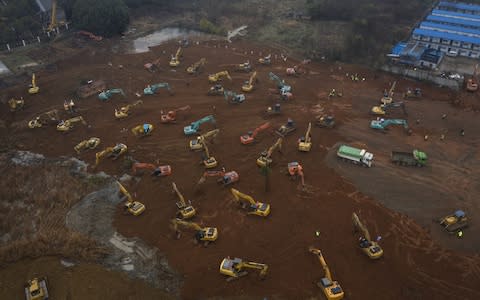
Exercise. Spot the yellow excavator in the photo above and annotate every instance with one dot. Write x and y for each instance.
(236, 268)
(46, 118)
(134, 207)
(195, 68)
(208, 161)
(89, 144)
(16, 104)
(388, 96)
(53, 18)
(265, 157)
(124, 111)
(371, 248)
(67, 125)
(113, 152)
(253, 207)
(36, 289)
(248, 86)
(33, 87)
(331, 289)
(202, 234)
(305, 142)
(197, 143)
(213, 78)
(184, 210)
(142, 130)
(175, 60)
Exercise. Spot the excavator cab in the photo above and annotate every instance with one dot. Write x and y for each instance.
(16, 104)
(89, 144)
(287, 128)
(216, 90)
(36, 289)
(454, 222)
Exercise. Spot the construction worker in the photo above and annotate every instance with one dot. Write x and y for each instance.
(462, 132)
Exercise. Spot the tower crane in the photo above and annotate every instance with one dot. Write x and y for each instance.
(305, 142)
(331, 289)
(236, 268)
(196, 144)
(203, 234)
(248, 86)
(253, 207)
(371, 248)
(186, 211)
(134, 207)
(388, 96)
(265, 157)
(250, 136)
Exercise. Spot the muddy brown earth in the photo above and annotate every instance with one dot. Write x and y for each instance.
(421, 260)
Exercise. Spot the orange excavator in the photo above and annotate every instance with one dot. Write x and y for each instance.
(171, 116)
(250, 136)
(158, 171)
(472, 83)
(296, 170)
(227, 178)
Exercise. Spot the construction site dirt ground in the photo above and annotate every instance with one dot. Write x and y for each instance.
(400, 204)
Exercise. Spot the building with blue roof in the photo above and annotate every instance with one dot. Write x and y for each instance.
(451, 28)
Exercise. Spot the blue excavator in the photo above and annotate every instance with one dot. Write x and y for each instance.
(233, 97)
(105, 95)
(194, 127)
(152, 89)
(382, 124)
(283, 89)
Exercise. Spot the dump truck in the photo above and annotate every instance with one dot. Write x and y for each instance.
(414, 158)
(355, 155)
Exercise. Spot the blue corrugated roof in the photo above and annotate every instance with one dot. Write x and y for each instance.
(398, 48)
(447, 36)
(464, 6)
(453, 21)
(458, 29)
(452, 14)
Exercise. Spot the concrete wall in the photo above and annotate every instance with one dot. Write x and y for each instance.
(423, 75)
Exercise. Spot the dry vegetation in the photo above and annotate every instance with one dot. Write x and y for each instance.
(34, 201)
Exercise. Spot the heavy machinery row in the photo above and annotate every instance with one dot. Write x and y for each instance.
(232, 268)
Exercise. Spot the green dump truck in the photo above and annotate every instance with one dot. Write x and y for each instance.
(414, 158)
(355, 155)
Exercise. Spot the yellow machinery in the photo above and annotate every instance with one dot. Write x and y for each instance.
(202, 234)
(36, 289)
(253, 207)
(89, 144)
(369, 247)
(53, 18)
(67, 125)
(142, 130)
(305, 142)
(124, 111)
(195, 68)
(134, 207)
(454, 222)
(265, 157)
(197, 144)
(236, 268)
(33, 88)
(44, 119)
(113, 152)
(208, 161)
(16, 104)
(175, 60)
(184, 210)
(331, 289)
(212, 78)
(248, 86)
(388, 96)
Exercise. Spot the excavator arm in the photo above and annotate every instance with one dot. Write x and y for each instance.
(181, 203)
(253, 265)
(137, 165)
(308, 137)
(241, 196)
(124, 191)
(359, 226)
(325, 267)
(392, 89)
(277, 145)
(100, 155)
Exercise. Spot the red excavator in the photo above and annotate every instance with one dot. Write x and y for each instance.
(158, 171)
(171, 116)
(295, 170)
(89, 35)
(472, 83)
(250, 136)
(227, 178)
